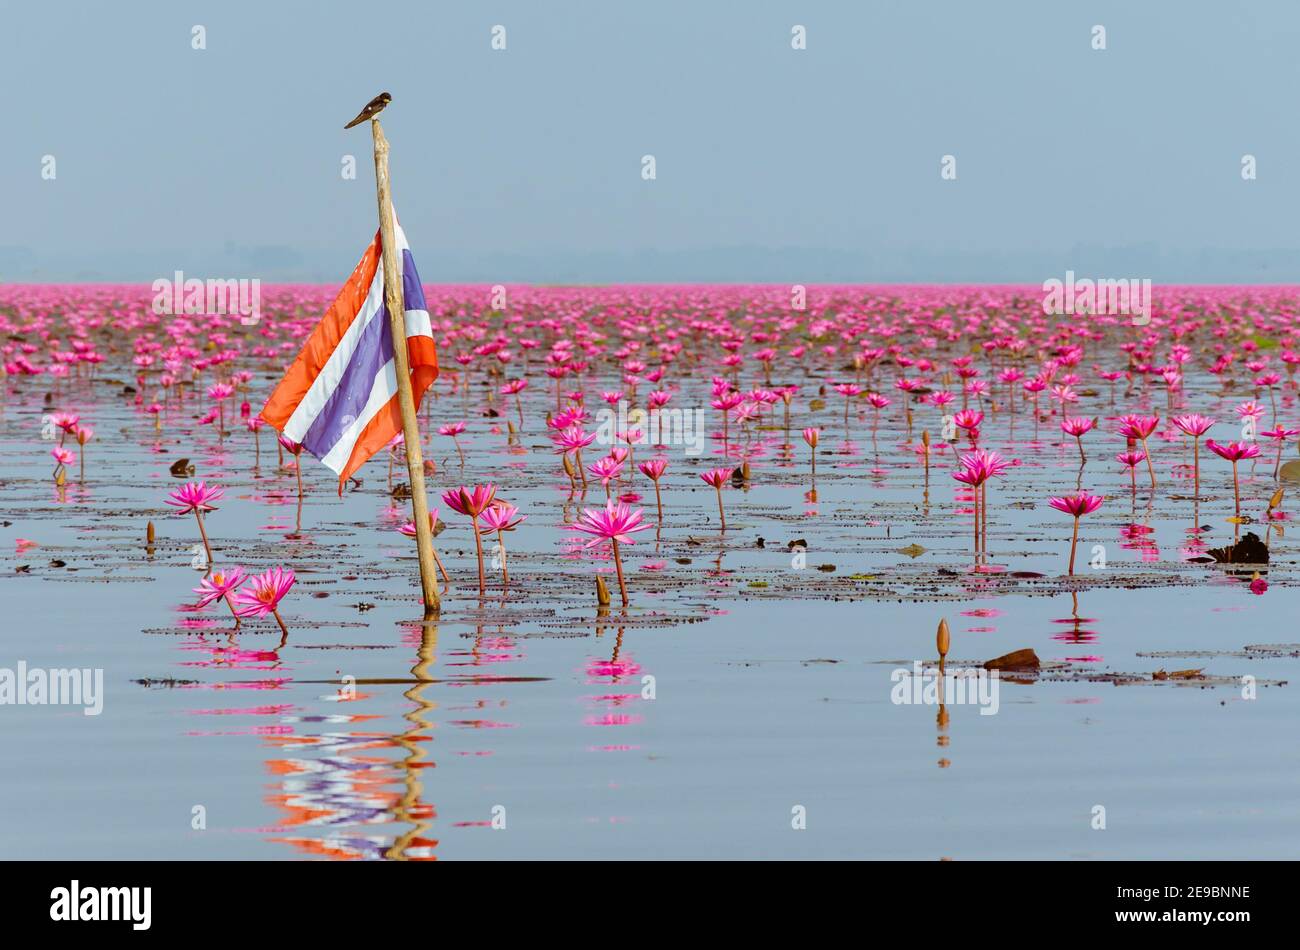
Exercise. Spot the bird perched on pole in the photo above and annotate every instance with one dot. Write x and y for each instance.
(372, 109)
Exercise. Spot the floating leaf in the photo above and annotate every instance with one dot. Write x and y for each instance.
(1025, 659)
(1177, 675)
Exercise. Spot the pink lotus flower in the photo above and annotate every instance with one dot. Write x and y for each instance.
(976, 469)
(1076, 505)
(718, 477)
(408, 529)
(454, 429)
(1139, 429)
(500, 517)
(194, 497)
(967, 419)
(1234, 452)
(616, 523)
(1132, 460)
(219, 585)
(1195, 426)
(1281, 435)
(472, 504)
(263, 593)
(654, 469)
(606, 470)
(1076, 427)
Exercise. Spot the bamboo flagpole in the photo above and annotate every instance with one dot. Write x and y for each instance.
(402, 364)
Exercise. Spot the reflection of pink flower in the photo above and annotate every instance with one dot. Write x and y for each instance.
(612, 669)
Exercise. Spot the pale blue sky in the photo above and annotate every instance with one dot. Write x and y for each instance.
(773, 164)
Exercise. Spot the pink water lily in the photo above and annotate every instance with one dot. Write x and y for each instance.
(654, 469)
(408, 529)
(471, 503)
(196, 497)
(1076, 505)
(615, 523)
(219, 585)
(262, 594)
(1196, 426)
(718, 477)
(1234, 452)
(500, 517)
(1139, 428)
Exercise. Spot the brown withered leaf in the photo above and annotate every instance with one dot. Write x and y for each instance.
(1025, 659)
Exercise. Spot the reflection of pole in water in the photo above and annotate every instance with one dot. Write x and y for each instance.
(409, 808)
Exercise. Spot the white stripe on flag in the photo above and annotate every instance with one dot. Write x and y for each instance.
(327, 380)
(381, 391)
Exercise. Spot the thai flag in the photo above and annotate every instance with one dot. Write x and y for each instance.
(339, 398)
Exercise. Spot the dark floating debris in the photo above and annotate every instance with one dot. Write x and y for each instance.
(181, 468)
(1249, 550)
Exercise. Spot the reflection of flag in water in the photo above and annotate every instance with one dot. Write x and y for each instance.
(339, 398)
